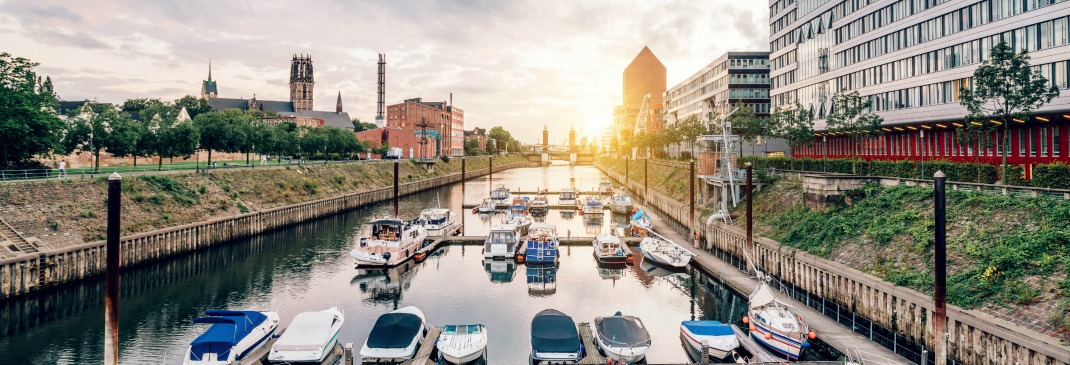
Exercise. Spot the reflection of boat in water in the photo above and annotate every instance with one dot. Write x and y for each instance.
(542, 280)
(385, 285)
(611, 272)
(500, 271)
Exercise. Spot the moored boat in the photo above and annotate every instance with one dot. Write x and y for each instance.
(608, 249)
(310, 337)
(640, 224)
(593, 207)
(395, 337)
(392, 242)
(518, 219)
(622, 338)
(567, 197)
(232, 336)
(554, 338)
(620, 203)
(539, 205)
(460, 344)
(439, 221)
(661, 250)
(605, 186)
(773, 323)
(542, 244)
(501, 195)
(718, 338)
(487, 206)
(502, 242)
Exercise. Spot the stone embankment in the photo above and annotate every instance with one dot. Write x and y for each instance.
(168, 215)
(853, 297)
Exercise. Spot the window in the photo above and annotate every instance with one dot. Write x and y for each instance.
(1021, 142)
(1032, 143)
(1043, 141)
(1055, 143)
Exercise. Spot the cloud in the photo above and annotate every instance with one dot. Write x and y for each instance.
(520, 64)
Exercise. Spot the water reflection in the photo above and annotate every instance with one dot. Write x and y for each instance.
(542, 280)
(385, 285)
(500, 271)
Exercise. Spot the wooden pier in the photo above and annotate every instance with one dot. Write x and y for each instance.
(427, 353)
(587, 337)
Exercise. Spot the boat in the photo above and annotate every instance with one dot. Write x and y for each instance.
(310, 337)
(542, 244)
(502, 242)
(395, 336)
(439, 221)
(661, 250)
(554, 338)
(608, 249)
(539, 205)
(605, 186)
(567, 197)
(593, 207)
(718, 338)
(392, 242)
(487, 206)
(622, 338)
(518, 219)
(460, 344)
(232, 336)
(519, 203)
(542, 280)
(500, 195)
(773, 324)
(500, 271)
(621, 203)
(640, 224)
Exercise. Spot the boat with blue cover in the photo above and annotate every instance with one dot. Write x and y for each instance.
(640, 224)
(555, 338)
(718, 337)
(542, 244)
(395, 336)
(232, 336)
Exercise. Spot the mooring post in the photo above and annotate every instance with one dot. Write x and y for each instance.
(463, 160)
(111, 286)
(646, 176)
(627, 177)
(348, 353)
(395, 189)
(940, 319)
(490, 172)
(694, 233)
(750, 237)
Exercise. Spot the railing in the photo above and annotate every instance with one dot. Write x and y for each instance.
(1009, 190)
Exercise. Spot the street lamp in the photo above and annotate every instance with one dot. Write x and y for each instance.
(824, 152)
(923, 148)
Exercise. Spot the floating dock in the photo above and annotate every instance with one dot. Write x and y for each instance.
(259, 356)
(427, 354)
(587, 337)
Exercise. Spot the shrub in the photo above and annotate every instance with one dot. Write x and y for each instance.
(1056, 176)
(445, 158)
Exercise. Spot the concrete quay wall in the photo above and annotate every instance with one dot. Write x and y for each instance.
(33, 273)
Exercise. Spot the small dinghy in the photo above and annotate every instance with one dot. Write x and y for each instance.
(718, 337)
(622, 338)
(309, 338)
(232, 337)
(460, 344)
(395, 336)
(554, 338)
(608, 249)
(662, 251)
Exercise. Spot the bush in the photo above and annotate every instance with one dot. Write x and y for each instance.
(445, 158)
(1056, 176)
(907, 169)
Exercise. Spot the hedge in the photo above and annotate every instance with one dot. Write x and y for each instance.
(1056, 175)
(955, 171)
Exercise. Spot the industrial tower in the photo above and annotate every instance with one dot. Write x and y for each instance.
(380, 120)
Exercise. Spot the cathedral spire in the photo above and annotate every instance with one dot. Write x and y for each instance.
(338, 108)
(209, 69)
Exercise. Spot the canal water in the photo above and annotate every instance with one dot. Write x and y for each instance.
(305, 267)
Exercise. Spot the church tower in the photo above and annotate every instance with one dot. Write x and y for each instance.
(338, 108)
(301, 82)
(208, 87)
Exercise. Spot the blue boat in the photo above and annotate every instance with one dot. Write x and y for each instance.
(555, 339)
(232, 337)
(541, 245)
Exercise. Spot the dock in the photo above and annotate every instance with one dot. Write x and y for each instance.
(587, 337)
(425, 355)
(506, 206)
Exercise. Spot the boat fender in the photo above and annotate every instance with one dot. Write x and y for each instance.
(746, 319)
(768, 336)
(811, 335)
(753, 328)
(806, 345)
(386, 256)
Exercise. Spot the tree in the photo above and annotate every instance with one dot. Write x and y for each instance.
(137, 105)
(795, 125)
(29, 125)
(688, 130)
(748, 126)
(1005, 88)
(176, 139)
(155, 115)
(194, 106)
(471, 147)
(221, 131)
(976, 134)
(94, 132)
(359, 126)
(851, 116)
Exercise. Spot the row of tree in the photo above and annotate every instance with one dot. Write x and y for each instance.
(498, 140)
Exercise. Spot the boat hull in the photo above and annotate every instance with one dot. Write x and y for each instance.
(657, 259)
(593, 210)
(254, 340)
(779, 344)
(620, 209)
(462, 359)
(714, 352)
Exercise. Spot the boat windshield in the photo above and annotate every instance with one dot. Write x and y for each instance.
(464, 329)
(502, 237)
(386, 232)
(568, 195)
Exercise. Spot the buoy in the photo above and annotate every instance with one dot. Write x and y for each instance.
(768, 336)
(629, 259)
(753, 328)
(520, 258)
(805, 345)
(746, 319)
(473, 210)
(811, 335)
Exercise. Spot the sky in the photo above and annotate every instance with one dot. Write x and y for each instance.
(519, 64)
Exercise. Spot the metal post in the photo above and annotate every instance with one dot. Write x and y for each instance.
(463, 179)
(111, 288)
(940, 319)
(490, 172)
(692, 200)
(627, 178)
(646, 184)
(395, 189)
(824, 152)
(923, 147)
(750, 223)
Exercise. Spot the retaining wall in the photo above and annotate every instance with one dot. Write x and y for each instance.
(31, 273)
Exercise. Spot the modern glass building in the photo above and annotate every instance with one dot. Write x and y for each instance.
(910, 58)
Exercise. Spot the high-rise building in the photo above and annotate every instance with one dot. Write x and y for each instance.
(644, 76)
(910, 59)
(301, 82)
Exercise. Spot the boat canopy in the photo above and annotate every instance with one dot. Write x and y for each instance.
(394, 331)
(553, 331)
(309, 331)
(228, 328)
(622, 330)
(708, 328)
(638, 215)
(594, 203)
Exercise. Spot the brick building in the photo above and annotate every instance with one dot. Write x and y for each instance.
(406, 140)
(442, 122)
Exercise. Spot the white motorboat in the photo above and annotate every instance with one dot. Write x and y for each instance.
(539, 205)
(392, 242)
(718, 338)
(554, 338)
(309, 338)
(502, 242)
(608, 249)
(593, 207)
(460, 344)
(439, 221)
(232, 337)
(662, 251)
(622, 338)
(773, 323)
(605, 186)
(567, 197)
(621, 204)
(518, 219)
(501, 195)
(641, 224)
(395, 337)
(487, 206)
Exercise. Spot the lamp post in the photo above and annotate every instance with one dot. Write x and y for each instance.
(923, 148)
(824, 152)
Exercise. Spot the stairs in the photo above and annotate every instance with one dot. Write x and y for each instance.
(16, 243)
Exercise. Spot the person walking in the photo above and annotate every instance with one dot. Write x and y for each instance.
(62, 169)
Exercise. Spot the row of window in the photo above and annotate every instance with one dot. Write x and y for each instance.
(782, 22)
(1026, 141)
(747, 93)
(748, 78)
(778, 6)
(702, 85)
(884, 16)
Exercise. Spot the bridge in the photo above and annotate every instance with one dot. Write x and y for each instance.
(573, 158)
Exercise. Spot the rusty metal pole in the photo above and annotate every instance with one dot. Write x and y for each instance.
(750, 223)
(111, 287)
(940, 318)
(395, 189)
